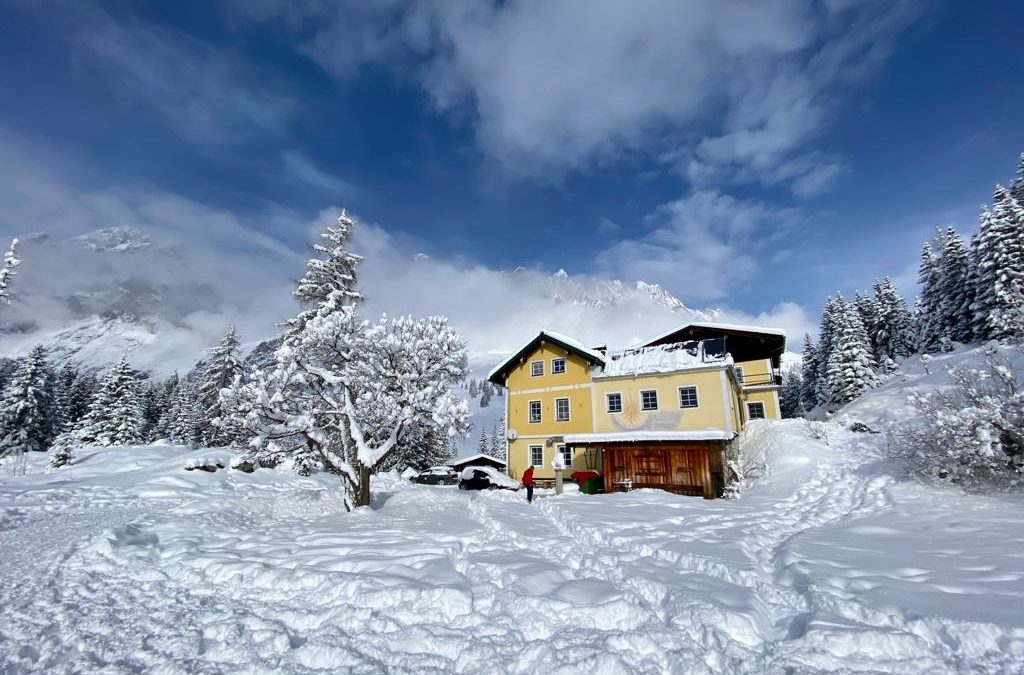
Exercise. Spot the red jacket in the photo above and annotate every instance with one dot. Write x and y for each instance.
(528, 476)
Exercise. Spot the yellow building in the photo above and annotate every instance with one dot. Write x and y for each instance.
(659, 415)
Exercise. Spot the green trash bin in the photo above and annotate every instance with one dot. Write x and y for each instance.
(591, 486)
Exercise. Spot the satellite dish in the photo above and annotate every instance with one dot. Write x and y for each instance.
(511, 434)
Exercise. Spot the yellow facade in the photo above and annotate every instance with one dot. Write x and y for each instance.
(718, 397)
(523, 387)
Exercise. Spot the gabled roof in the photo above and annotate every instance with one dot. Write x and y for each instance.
(459, 461)
(744, 343)
(571, 345)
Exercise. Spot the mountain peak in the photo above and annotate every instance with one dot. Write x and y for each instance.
(114, 239)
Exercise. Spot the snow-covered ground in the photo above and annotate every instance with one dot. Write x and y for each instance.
(834, 561)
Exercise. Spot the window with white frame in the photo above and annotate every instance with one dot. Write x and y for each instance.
(688, 397)
(536, 455)
(614, 402)
(561, 410)
(558, 366)
(534, 412)
(566, 453)
(649, 399)
(755, 410)
(536, 368)
(739, 374)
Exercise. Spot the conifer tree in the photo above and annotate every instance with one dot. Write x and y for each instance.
(482, 446)
(998, 305)
(1017, 184)
(954, 301)
(485, 397)
(850, 364)
(927, 312)
(831, 316)
(11, 260)
(792, 387)
(810, 371)
(894, 329)
(330, 282)
(115, 416)
(222, 369)
(868, 310)
(26, 417)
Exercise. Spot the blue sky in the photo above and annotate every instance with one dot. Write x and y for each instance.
(742, 154)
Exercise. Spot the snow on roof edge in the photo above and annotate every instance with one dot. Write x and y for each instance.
(572, 342)
(634, 436)
(468, 458)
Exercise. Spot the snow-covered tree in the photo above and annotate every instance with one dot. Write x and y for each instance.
(850, 363)
(115, 415)
(1017, 184)
(485, 396)
(894, 329)
(809, 377)
(972, 432)
(11, 260)
(26, 416)
(330, 282)
(344, 392)
(998, 279)
(187, 418)
(482, 445)
(792, 387)
(954, 294)
(223, 368)
(928, 317)
(831, 316)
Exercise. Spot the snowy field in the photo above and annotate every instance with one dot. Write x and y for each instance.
(833, 563)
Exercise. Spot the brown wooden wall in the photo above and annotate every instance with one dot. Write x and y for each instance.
(690, 468)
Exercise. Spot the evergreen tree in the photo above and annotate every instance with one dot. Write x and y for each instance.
(498, 448)
(850, 364)
(330, 282)
(115, 416)
(11, 260)
(954, 301)
(833, 313)
(485, 397)
(26, 418)
(221, 371)
(868, 310)
(999, 270)
(810, 371)
(1017, 184)
(185, 426)
(473, 391)
(482, 446)
(792, 388)
(894, 327)
(927, 314)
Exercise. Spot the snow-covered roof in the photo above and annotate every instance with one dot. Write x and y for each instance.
(660, 359)
(644, 435)
(723, 327)
(566, 342)
(474, 458)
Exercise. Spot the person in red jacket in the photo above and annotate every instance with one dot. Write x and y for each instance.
(528, 484)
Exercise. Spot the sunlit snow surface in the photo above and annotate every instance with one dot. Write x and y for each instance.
(833, 563)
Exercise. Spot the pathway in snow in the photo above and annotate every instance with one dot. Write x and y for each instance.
(135, 565)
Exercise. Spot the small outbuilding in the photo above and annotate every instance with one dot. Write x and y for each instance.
(479, 459)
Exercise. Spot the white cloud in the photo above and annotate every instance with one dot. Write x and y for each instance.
(302, 169)
(727, 88)
(700, 247)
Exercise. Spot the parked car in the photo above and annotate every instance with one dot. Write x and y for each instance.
(485, 478)
(436, 475)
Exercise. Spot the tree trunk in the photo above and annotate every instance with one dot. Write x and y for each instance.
(362, 496)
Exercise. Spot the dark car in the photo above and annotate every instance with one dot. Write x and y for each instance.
(485, 478)
(436, 475)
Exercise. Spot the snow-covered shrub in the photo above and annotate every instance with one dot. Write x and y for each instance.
(745, 460)
(971, 433)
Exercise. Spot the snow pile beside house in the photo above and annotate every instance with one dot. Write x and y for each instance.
(659, 359)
